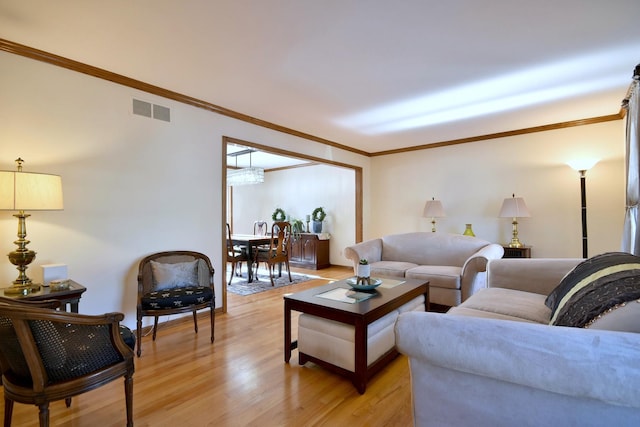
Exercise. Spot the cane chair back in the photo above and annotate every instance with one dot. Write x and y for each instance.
(50, 355)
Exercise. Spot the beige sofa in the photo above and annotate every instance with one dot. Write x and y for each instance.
(453, 264)
(495, 361)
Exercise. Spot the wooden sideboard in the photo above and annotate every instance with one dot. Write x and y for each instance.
(308, 251)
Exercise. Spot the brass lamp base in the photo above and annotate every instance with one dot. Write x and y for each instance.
(515, 242)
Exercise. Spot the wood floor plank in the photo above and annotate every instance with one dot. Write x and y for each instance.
(239, 380)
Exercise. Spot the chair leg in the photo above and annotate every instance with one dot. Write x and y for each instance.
(139, 335)
(128, 397)
(288, 270)
(155, 327)
(44, 415)
(271, 274)
(8, 411)
(67, 401)
(195, 321)
(213, 307)
(233, 267)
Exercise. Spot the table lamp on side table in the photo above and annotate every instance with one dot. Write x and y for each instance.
(514, 207)
(27, 191)
(433, 209)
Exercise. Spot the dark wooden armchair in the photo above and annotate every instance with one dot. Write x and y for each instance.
(48, 355)
(174, 282)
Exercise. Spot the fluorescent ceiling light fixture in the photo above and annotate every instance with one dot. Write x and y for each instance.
(516, 90)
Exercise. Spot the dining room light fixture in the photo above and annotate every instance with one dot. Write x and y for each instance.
(244, 176)
(514, 207)
(27, 191)
(433, 209)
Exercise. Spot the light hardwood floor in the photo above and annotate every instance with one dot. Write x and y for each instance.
(239, 380)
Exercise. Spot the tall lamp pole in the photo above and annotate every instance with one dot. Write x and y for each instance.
(582, 166)
(583, 199)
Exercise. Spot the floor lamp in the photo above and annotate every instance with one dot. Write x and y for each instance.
(582, 166)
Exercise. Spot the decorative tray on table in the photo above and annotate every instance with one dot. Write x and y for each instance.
(374, 283)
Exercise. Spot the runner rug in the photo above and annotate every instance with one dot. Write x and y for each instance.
(240, 286)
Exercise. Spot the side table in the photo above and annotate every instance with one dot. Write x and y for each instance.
(522, 252)
(69, 296)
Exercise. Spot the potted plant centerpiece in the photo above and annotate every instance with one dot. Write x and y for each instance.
(318, 216)
(363, 272)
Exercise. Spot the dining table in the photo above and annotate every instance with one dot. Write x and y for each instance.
(250, 242)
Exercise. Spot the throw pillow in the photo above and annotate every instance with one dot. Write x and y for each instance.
(176, 275)
(594, 286)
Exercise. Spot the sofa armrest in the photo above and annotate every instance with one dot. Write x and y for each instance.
(582, 363)
(538, 275)
(371, 250)
(475, 264)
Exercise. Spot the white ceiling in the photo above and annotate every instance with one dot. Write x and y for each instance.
(370, 74)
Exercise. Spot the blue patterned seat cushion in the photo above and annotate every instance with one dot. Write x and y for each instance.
(176, 297)
(128, 336)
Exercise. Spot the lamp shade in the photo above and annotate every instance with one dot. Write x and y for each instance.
(433, 209)
(27, 191)
(514, 207)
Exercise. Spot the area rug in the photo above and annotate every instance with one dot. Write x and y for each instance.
(240, 286)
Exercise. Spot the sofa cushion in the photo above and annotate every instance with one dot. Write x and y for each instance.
(426, 248)
(390, 268)
(594, 286)
(624, 317)
(506, 304)
(439, 276)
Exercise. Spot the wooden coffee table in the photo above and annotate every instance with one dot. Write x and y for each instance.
(359, 314)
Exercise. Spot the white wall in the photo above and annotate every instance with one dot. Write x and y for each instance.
(132, 185)
(472, 180)
(298, 192)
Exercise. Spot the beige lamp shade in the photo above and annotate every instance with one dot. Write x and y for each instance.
(433, 209)
(27, 191)
(514, 207)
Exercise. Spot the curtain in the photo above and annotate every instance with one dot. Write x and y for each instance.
(630, 232)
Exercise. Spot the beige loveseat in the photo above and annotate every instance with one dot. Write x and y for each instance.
(495, 361)
(453, 264)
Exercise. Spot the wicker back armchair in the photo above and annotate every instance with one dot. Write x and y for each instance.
(49, 355)
(174, 282)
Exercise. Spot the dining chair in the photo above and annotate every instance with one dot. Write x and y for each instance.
(260, 228)
(278, 251)
(235, 256)
(174, 282)
(48, 355)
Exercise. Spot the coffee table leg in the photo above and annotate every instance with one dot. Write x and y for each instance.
(287, 332)
(360, 377)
